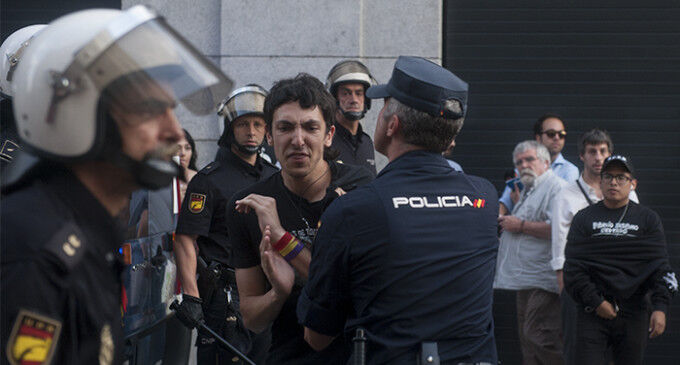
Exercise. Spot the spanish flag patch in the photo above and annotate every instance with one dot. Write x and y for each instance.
(196, 203)
(33, 339)
(478, 203)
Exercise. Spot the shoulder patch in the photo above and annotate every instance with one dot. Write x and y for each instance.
(196, 202)
(9, 147)
(209, 168)
(33, 339)
(67, 245)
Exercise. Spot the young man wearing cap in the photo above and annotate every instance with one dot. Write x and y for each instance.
(388, 258)
(594, 147)
(299, 114)
(616, 256)
(202, 228)
(347, 82)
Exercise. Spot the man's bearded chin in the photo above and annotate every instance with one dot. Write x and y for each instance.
(527, 177)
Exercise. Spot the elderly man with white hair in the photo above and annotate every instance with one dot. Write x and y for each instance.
(524, 257)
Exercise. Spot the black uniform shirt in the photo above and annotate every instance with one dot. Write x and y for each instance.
(61, 275)
(300, 218)
(354, 149)
(410, 258)
(204, 206)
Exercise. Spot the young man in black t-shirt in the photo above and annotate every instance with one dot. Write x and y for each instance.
(299, 114)
(615, 256)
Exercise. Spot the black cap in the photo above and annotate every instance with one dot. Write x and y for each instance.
(617, 160)
(423, 85)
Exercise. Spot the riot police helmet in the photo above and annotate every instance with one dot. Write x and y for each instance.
(350, 72)
(247, 100)
(88, 63)
(10, 53)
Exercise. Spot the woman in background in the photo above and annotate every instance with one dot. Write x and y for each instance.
(187, 160)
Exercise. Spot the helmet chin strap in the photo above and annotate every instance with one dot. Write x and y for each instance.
(352, 116)
(247, 150)
(150, 173)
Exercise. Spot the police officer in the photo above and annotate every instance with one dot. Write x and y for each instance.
(202, 224)
(409, 257)
(94, 97)
(10, 54)
(347, 82)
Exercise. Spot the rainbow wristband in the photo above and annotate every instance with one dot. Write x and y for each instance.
(288, 246)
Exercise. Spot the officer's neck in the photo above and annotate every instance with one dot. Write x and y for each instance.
(248, 158)
(396, 148)
(351, 125)
(110, 185)
(312, 186)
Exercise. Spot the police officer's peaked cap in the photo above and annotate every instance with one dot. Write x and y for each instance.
(423, 85)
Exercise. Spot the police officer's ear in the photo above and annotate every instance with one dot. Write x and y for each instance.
(393, 126)
(633, 184)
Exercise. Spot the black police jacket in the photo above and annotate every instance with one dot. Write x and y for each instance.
(409, 258)
(354, 149)
(203, 211)
(60, 280)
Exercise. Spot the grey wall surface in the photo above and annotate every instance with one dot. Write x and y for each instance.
(263, 41)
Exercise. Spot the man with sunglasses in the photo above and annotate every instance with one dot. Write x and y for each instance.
(550, 131)
(616, 258)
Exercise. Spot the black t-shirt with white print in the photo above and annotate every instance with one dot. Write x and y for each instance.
(301, 218)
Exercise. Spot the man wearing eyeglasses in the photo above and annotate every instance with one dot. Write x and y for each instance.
(523, 263)
(594, 147)
(550, 131)
(616, 257)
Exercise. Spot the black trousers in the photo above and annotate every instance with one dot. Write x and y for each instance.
(593, 337)
(224, 318)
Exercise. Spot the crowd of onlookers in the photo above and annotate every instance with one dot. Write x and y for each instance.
(593, 302)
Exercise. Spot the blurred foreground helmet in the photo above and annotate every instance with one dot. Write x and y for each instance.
(109, 58)
(248, 100)
(350, 71)
(10, 53)
(86, 64)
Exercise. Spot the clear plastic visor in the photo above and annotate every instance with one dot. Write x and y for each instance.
(242, 104)
(150, 67)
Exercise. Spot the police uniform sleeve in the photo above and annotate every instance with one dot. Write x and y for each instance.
(197, 208)
(244, 247)
(323, 304)
(32, 307)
